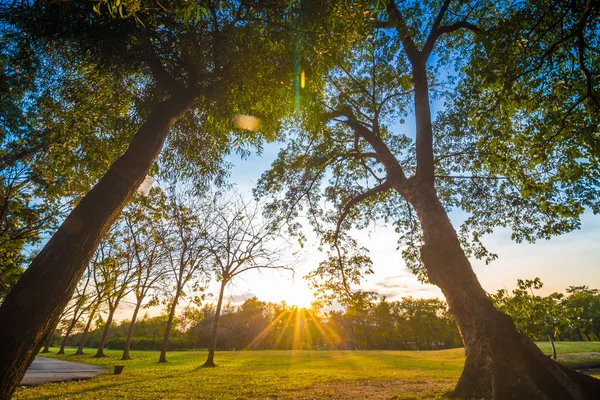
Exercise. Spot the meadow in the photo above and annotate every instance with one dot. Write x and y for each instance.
(292, 374)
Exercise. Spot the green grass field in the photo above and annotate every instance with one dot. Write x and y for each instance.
(274, 375)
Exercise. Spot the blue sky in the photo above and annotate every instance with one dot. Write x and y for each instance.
(571, 259)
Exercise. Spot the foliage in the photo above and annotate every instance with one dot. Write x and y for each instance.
(567, 317)
(346, 156)
(422, 324)
(77, 83)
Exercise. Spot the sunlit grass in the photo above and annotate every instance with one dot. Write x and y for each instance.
(274, 374)
(255, 374)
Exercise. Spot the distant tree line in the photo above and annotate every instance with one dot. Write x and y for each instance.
(422, 324)
(368, 323)
(574, 316)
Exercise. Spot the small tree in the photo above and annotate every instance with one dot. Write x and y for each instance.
(183, 237)
(84, 299)
(583, 311)
(116, 268)
(140, 222)
(239, 241)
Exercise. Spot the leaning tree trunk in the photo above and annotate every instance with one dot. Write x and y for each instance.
(501, 363)
(68, 333)
(83, 338)
(111, 314)
(32, 308)
(551, 339)
(210, 360)
(163, 350)
(48, 341)
(138, 305)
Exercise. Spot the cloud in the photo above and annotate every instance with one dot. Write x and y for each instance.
(239, 298)
(388, 285)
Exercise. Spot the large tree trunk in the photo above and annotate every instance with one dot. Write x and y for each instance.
(85, 333)
(100, 350)
(34, 304)
(163, 350)
(210, 360)
(138, 305)
(501, 363)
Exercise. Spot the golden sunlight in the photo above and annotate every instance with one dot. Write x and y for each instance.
(299, 295)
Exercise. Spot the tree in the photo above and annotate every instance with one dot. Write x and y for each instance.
(115, 267)
(217, 82)
(140, 219)
(84, 299)
(84, 334)
(183, 236)
(582, 306)
(371, 172)
(238, 241)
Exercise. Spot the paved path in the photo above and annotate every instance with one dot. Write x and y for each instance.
(44, 370)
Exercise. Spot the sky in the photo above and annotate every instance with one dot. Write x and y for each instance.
(572, 259)
(567, 260)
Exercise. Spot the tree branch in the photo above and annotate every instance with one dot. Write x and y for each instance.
(160, 74)
(409, 45)
(356, 200)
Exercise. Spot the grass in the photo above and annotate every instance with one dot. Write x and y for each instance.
(273, 375)
(578, 355)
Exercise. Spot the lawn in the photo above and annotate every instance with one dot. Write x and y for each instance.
(271, 375)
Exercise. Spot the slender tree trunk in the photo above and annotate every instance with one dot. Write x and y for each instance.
(551, 338)
(84, 334)
(501, 363)
(163, 350)
(48, 341)
(100, 351)
(68, 333)
(138, 305)
(210, 360)
(32, 308)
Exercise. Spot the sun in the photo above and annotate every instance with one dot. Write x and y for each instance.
(299, 296)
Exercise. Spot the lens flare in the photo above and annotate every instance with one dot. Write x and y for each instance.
(246, 122)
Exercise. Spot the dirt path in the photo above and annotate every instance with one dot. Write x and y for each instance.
(44, 370)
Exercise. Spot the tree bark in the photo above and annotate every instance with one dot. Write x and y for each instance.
(32, 308)
(100, 351)
(210, 360)
(138, 305)
(84, 334)
(163, 350)
(501, 363)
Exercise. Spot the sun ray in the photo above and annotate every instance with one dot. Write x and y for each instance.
(296, 344)
(330, 335)
(263, 334)
(285, 326)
